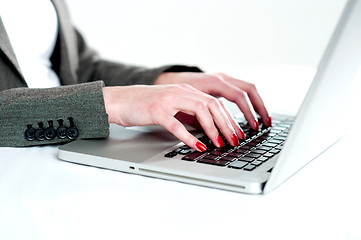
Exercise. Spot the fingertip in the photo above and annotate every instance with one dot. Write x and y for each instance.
(242, 135)
(256, 125)
(199, 146)
(269, 121)
(235, 139)
(220, 141)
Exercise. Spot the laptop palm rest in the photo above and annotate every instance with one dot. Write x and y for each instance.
(135, 144)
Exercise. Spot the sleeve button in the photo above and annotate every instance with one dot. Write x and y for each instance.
(61, 131)
(72, 132)
(30, 133)
(39, 134)
(50, 132)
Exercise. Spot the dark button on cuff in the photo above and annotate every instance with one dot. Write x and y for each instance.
(39, 134)
(61, 131)
(72, 132)
(30, 133)
(50, 132)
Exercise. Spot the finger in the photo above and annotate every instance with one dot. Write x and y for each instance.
(258, 103)
(237, 128)
(178, 130)
(208, 111)
(210, 105)
(201, 111)
(254, 97)
(240, 97)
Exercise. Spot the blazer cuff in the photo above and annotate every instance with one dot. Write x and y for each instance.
(80, 105)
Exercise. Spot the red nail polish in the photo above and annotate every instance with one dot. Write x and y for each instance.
(235, 139)
(269, 121)
(220, 141)
(256, 125)
(201, 147)
(242, 134)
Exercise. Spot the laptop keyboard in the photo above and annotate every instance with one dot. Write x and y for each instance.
(256, 149)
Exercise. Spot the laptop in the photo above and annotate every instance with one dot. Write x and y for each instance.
(266, 158)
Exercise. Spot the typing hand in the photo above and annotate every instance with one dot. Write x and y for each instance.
(169, 106)
(244, 94)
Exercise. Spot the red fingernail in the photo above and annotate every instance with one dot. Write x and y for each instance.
(242, 134)
(201, 147)
(220, 141)
(256, 125)
(269, 121)
(235, 139)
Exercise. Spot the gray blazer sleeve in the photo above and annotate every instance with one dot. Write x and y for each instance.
(22, 108)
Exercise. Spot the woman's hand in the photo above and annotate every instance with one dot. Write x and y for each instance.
(168, 106)
(244, 94)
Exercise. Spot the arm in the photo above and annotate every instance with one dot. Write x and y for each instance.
(20, 107)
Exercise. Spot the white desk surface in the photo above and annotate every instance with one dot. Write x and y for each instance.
(42, 197)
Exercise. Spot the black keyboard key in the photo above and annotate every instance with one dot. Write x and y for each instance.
(185, 151)
(258, 151)
(238, 164)
(279, 147)
(211, 157)
(263, 159)
(246, 147)
(218, 152)
(170, 154)
(253, 155)
(249, 167)
(235, 154)
(241, 150)
(228, 158)
(268, 155)
(264, 148)
(282, 135)
(276, 131)
(247, 159)
(253, 143)
(267, 144)
(274, 141)
(213, 162)
(275, 151)
(257, 163)
(192, 156)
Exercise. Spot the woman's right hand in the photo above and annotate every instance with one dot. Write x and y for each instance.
(165, 105)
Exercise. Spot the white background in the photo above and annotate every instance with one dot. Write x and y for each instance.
(216, 35)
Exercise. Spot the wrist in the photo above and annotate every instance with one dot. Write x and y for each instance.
(166, 78)
(109, 103)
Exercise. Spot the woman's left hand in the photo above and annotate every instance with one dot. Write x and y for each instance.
(243, 93)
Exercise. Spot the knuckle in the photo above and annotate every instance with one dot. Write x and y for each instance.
(213, 102)
(155, 108)
(162, 97)
(252, 87)
(242, 95)
(200, 106)
(215, 79)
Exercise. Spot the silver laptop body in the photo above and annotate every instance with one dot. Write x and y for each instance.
(316, 127)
